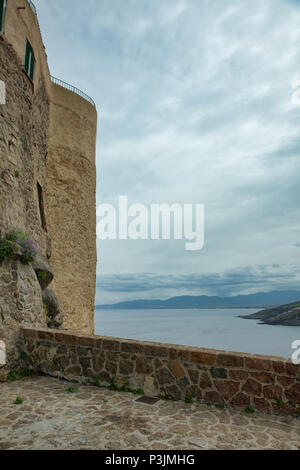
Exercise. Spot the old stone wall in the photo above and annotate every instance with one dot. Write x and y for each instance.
(20, 305)
(71, 190)
(266, 383)
(24, 122)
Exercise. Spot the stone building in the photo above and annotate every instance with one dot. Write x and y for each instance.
(47, 179)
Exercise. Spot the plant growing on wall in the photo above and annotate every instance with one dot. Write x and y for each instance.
(17, 237)
(6, 250)
(29, 250)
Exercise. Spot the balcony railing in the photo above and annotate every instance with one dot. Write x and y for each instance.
(32, 6)
(72, 88)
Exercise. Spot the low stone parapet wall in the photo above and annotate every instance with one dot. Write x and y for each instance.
(264, 383)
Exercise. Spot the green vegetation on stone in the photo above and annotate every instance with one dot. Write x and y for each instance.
(71, 390)
(221, 406)
(6, 250)
(14, 375)
(250, 409)
(188, 398)
(18, 401)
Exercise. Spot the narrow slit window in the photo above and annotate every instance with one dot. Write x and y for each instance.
(41, 206)
(29, 64)
(2, 15)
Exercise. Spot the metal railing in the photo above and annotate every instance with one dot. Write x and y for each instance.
(33, 7)
(72, 88)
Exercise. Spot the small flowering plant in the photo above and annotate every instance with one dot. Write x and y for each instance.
(29, 250)
(28, 245)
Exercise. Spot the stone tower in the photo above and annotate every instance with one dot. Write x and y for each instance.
(47, 176)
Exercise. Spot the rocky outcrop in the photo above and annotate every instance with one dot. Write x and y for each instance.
(288, 315)
(43, 271)
(52, 309)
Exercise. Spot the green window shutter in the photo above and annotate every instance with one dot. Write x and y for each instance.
(27, 57)
(29, 62)
(32, 67)
(2, 14)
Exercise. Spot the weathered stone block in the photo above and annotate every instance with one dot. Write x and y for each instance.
(173, 354)
(104, 377)
(134, 348)
(218, 373)
(53, 310)
(112, 356)
(203, 357)
(261, 404)
(62, 349)
(83, 351)
(85, 362)
(46, 335)
(157, 351)
(98, 362)
(194, 376)
(263, 377)
(88, 341)
(293, 369)
(293, 394)
(238, 375)
(284, 409)
(158, 363)
(286, 382)
(240, 399)
(176, 369)
(110, 345)
(43, 271)
(174, 391)
(143, 366)
(258, 364)
(164, 376)
(230, 360)
(64, 362)
(183, 382)
(272, 391)
(194, 392)
(66, 338)
(227, 388)
(126, 367)
(111, 367)
(205, 381)
(184, 355)
(29, 333)
(279, 367)
(252, 387)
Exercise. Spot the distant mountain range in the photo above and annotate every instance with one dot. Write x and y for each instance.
(258, 300)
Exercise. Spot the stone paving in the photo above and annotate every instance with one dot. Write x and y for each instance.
(98, 418)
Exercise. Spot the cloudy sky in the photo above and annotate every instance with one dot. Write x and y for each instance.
(195, 106)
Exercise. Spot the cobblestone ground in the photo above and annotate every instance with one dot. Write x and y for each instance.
(94, 418)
